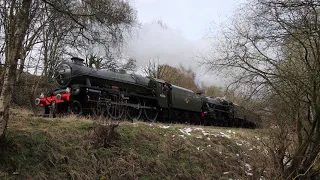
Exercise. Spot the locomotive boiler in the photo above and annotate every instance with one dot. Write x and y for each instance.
(70, 73)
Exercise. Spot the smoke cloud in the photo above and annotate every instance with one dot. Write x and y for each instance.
(156, 41)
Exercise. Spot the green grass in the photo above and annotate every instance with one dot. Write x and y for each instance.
(40, 148)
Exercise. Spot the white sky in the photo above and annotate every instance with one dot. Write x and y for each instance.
(192, 18)
(189, 21)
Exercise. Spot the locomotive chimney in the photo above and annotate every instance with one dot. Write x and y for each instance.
(77, 60)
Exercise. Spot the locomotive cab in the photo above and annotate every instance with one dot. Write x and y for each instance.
(162, 89)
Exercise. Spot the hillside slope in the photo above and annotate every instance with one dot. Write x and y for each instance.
(40, 148)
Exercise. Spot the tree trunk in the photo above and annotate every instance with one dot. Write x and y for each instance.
(6, 97)
(22, 61)
(16, 29)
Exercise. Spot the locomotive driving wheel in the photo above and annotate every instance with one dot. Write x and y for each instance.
(134, 113)
(115, 109)
(75, 107)
(151, 113)
(99, 110)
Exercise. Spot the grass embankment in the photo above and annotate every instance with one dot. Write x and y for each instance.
(40, 148)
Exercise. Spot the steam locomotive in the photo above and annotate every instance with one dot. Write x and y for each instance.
(83, 90)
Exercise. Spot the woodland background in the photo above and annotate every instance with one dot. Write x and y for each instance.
(271, 51)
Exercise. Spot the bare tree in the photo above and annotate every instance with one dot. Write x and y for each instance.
(152, 69)
(90, 21)
(16, 23)
(32, 35)
(273, 47)
(178, 76)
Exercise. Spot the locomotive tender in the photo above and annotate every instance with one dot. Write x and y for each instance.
(85, 90)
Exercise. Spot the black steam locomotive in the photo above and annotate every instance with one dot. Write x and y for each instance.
(83, 90)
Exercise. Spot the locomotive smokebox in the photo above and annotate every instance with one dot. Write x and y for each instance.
(77, 61)
(63, 74)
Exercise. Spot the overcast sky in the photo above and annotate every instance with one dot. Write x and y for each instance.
(188, 21)
(192, 18)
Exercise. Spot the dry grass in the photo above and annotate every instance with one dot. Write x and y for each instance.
(67, 149)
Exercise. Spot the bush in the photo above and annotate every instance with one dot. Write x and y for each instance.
(28, 88)
(103, 135)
